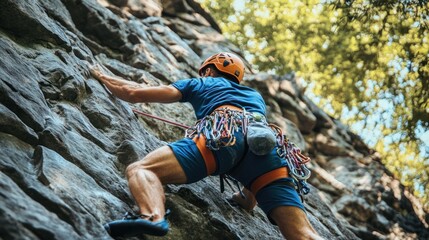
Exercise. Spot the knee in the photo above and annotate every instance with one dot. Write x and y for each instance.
(132, 169)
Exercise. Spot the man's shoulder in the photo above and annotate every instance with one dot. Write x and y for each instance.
(186, 82)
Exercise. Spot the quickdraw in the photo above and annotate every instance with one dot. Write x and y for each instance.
(219, 129)
(295, 160)
(220, 126)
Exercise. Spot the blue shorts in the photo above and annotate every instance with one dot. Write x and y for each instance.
(276, 194)
(192, 161)
(244, 166)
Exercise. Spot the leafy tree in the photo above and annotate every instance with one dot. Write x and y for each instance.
(367, 60)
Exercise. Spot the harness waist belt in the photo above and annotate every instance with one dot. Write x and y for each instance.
(230, 107)
(268, 178)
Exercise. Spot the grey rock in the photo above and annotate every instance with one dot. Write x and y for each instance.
(354, 207)
(65, 141)
(11, 124)
(298, 112)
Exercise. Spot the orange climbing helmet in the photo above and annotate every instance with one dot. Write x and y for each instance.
(227, 63)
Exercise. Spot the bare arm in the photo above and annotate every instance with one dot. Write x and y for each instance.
(133, 92)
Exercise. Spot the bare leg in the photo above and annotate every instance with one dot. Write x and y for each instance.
(293, 223)
(146, 177)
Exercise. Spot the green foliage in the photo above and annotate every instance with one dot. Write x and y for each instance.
(367, 57)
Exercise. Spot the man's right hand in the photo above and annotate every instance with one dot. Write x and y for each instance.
(248, 202)
(95, 72)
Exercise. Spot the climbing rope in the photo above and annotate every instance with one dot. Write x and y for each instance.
(161, 119)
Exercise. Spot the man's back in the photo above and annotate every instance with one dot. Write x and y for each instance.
(206, 94)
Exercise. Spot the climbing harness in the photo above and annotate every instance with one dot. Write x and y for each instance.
(219, 128)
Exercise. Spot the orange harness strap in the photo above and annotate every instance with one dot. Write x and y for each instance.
(206, 153)
(268, 178)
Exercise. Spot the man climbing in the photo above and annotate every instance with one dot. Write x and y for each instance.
(228, 113)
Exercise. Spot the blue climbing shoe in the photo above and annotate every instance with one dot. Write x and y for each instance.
(134, 225)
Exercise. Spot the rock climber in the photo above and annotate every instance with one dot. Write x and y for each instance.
(218, 144)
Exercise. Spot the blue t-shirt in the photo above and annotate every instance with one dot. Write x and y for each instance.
(206, 94)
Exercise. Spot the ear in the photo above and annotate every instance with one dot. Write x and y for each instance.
(208, 72)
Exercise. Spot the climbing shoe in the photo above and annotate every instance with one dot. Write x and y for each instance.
(134, 225)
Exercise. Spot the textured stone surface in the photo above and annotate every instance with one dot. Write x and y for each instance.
(65, 140)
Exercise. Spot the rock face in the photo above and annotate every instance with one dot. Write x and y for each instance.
(65, 140)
